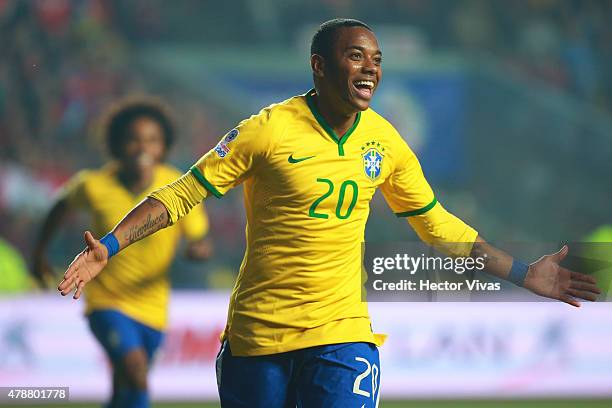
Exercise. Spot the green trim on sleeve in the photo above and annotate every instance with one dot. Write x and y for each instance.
(328, 129)
(200, 177)
(419, 211)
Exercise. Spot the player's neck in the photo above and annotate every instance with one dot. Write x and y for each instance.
(135, 181)
(338, 120)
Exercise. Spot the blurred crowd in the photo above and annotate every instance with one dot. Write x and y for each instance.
(563, 42)
(63, 62)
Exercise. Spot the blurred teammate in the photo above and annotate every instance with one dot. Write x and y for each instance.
(127, 308)
(297, 330)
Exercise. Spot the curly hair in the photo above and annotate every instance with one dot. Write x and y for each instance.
(123, 113)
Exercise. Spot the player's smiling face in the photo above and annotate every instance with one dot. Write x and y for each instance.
(355, 68)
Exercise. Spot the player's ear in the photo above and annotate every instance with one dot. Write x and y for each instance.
(317, 64)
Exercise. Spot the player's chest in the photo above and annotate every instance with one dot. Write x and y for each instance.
(313, 167)
(109, 204)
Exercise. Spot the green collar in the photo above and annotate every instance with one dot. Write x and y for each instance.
(340, 141)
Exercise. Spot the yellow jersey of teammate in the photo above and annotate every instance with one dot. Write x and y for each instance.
(135, 282)
(307, 194)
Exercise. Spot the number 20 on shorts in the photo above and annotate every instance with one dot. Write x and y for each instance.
(370, 369)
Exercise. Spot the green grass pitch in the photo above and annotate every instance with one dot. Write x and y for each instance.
(402, 404)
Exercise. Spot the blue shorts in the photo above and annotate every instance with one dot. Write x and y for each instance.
(119, 334)
(337, 375)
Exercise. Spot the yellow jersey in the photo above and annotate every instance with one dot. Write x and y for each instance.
(135, 280)
(307, 194)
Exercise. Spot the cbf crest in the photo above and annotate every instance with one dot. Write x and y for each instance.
(372, 159)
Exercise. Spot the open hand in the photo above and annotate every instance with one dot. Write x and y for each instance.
(85, 267)
(549, 279)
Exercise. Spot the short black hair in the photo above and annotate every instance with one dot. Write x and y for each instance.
(323, 39)
(123, 113)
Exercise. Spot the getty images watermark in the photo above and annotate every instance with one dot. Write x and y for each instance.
(410, 265)
(415, 272)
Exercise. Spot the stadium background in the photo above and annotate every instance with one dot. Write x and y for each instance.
(507, 104)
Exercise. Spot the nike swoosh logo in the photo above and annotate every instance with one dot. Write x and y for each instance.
(291, 159)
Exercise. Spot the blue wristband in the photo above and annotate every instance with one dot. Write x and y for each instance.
(518, 272)
(111, 243)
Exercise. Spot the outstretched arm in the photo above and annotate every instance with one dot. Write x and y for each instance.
(146, 218)
(162, 208)
(409, 195)
(545, 277)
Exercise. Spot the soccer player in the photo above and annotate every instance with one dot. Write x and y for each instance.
(297, 331)
(127, 308)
